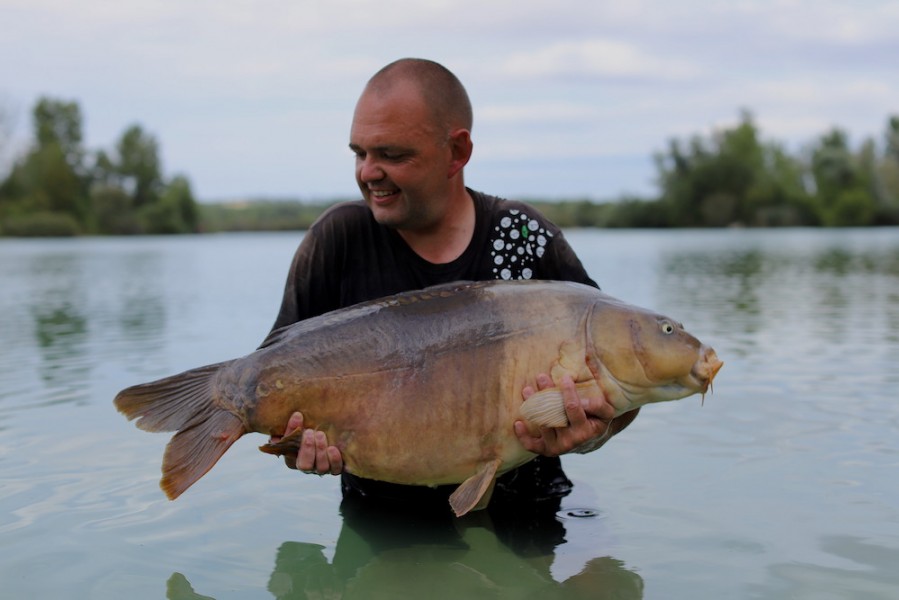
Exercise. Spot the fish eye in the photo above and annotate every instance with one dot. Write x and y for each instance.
(667, 327)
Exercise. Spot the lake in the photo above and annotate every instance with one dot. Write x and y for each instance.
(783, 483)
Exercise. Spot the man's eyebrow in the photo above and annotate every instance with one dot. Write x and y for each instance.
(384, 148)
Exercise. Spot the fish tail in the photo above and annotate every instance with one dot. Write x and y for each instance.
(183, 403)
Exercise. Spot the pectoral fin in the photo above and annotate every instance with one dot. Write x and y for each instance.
(546, 408)
(474, 493)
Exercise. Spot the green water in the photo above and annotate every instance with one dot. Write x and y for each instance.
(782, 485)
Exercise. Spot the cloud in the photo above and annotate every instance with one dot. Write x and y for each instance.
(830, 21)
(594, 58)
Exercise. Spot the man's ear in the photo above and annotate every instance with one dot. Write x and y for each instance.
(461, 147)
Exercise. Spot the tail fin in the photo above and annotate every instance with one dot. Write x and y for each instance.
(183, 403)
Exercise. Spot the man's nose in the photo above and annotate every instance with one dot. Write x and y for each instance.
(369, 170)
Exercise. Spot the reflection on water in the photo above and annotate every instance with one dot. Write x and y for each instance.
(61, 334)
(56, 305)
(480, 567)
(388, 554)
(782, 486)
(869, 572)
(79, 306)
(179, 588)
(140, 298)
(819, 288)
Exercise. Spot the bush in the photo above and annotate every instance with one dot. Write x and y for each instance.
(40, 224)
(853, 208)
(113, 213)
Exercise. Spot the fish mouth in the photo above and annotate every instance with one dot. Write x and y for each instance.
(705, 369)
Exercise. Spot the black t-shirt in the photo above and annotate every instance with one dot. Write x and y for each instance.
(347, 257)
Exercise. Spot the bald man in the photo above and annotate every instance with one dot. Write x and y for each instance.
(419, 225)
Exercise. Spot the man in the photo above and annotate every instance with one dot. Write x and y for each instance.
(418, 225)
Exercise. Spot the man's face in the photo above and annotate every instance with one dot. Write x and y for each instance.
(402, 158)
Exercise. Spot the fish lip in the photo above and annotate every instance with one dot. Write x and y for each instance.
(705, 370)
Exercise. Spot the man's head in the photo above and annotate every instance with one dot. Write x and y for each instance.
(411, 136)
(441, 91)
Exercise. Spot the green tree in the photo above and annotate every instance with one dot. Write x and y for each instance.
(779, 196)
(131, 195)
(892, 138)
(50, 178)
(50, 191)
(59, 123)
(730, 177)
(175, 212)
(139, 166)
(832, 166)
(844, 182)
(675, 179)
(6, 131)
(887, 177)
(105, 172)
(113, 211)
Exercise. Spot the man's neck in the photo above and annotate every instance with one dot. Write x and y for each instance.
(448, 239)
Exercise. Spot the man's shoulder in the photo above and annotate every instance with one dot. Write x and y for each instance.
(505, 212)
(347, 216)
(350, 209)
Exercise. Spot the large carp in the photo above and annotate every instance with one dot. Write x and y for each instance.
(423, 387)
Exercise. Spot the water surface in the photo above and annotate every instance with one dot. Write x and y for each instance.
(781, 485)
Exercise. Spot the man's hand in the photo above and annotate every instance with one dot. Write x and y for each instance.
(590, 422)
(315, 455)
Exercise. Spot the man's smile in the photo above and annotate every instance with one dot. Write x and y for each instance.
(382, 196)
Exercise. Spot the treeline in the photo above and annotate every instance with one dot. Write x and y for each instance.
(58, 187)
(260, 215)
(734, 178)
(731, 177)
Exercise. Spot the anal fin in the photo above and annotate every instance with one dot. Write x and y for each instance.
(289, 444)
(474, 493)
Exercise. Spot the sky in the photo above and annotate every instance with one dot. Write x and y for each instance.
(254, 98)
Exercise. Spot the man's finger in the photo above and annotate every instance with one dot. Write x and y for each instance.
(306, 456)
(531, 443)
(294, 422)
(336, 460)
(544, 381)
(322, 464)
(574, 409)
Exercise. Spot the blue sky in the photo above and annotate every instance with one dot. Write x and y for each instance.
(254, 98)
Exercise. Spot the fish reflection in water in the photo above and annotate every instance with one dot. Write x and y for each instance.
(392, 553)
